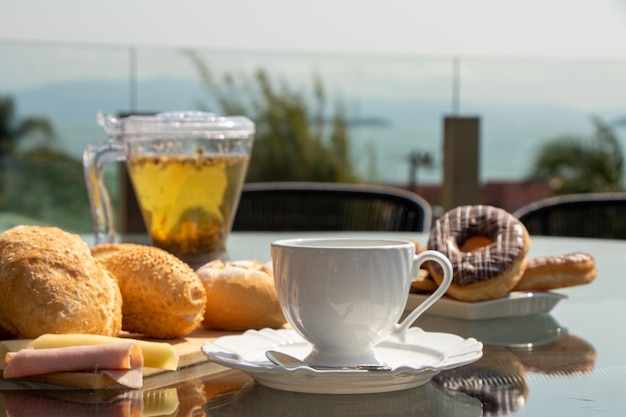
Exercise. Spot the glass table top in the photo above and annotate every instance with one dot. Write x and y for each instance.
(570, 361)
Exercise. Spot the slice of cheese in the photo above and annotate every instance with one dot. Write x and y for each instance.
(155, 354)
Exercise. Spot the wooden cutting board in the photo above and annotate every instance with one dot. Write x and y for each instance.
(191, 363)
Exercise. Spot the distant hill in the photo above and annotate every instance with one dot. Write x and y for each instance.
(81, 100)
(391, 126)
(368, 121)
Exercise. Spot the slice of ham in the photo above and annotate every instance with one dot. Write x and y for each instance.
(122, 362)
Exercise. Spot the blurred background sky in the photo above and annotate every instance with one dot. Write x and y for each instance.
(529, 28)
(531, 69)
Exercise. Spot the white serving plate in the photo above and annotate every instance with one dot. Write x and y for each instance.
(515, 304)
(522, 332)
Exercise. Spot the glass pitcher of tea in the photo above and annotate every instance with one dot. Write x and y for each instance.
(187, 170)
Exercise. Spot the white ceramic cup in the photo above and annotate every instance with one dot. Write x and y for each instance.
(345, 295)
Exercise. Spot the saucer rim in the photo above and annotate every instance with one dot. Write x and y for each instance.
(340, 381)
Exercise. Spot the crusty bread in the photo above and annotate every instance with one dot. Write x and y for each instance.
(50, 283)
(559, 271)
(240, 295)
(162, 296)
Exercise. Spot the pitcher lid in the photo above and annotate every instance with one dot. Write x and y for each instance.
(176, 122)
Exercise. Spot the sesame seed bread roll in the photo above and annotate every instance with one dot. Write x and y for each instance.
(50, 283)
(240, 295)
(163, 297)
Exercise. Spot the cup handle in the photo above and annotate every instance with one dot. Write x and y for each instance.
(95, 156)
(399, 330)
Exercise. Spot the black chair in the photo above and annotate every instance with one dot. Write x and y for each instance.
(594, 215)
(315, 206)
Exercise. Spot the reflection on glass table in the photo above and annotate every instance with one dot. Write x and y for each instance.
(427, 400)
(513, 347)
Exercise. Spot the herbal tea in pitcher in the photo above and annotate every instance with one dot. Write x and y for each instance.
(187, 170)
(188, 202)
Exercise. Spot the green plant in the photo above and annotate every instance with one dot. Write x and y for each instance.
(38, 184)
(13, 130)
(574, 164)
(296, 138)
(47, 187)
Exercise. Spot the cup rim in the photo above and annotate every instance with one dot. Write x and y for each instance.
(345, 243)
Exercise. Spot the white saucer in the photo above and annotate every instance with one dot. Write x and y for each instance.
(514, 304)
(412, 363)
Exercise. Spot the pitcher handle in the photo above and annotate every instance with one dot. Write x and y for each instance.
(95, 156)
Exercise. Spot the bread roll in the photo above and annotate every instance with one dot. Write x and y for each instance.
(163, 297)
(50, 283)
(240, 295)
(549, 272)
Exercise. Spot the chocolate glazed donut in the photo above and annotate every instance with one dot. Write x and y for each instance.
(487, 247)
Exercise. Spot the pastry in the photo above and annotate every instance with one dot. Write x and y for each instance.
(487, 247)
(550, 272)
(50, 283)
(240, 295)
(163, 297)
